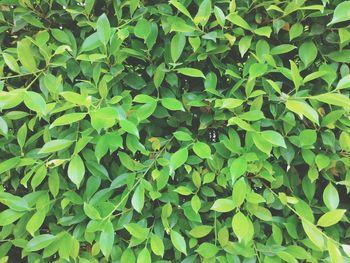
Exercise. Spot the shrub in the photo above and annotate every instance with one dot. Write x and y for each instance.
(181, 131)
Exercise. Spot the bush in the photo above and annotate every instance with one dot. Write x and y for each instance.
(181, 131)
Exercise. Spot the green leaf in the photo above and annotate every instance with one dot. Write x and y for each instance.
(178, 241)
(223, 205)
(239, 21)
(333, 99)
(144, 256)
(137, 231)
(203, 13)
(35, 102)
(331, 197)
(9, 164)
(138, 198)
(257, 70)
(334, 252)
(330, 218)
(9, 216)
(142, 28)
(76, 170)
(244, 44)
(313, 233)
(341, 13)
(220, 16)
(179, 6)
(238, 167)
(91, 42)
(157, 245)
(344, 83)
(207, 250)
(191, 72)
(103, 29)
(68, 119)
(25, 55)
(11, 62)
(302, 109)
(202, 150)
(274, 138)
(104, 118)
(178, 43)
(159, 75)
(200, 231)
(40, 242)
(308, 53)
(172, 104)
(35, 222)
(107, 239)
(91, 212)
(282, 49)
(129, 127)
(239, 192)
(55, 146)
(295, 31)
(178, 158)
(240, 225)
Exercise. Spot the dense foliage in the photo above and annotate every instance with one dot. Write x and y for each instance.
(181, 131)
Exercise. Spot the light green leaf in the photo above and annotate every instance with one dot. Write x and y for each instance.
(313, 233)
(144, 256)
(129, 127)
(25, 55)
(330, 218)
(223, 205)
(35, 102)
(11, 62)
(68, 119)
(203, 13)
(40, 242)
(302, 109)
(191, 72)
(76, 170)
(202, 150)
(274, 138)
(157, 245)
(107, 239)
(178, 241)
(142, 28)
(103, 29)
(331, 197)
(172, 104)
(177, 45)
(341, 13)
(35, 221)
(239, 21)
(207, 250)
(137, 231)
(9, 216)
(200, 231)
(178, 158)
(138, 198)
(55, 146)
(308, 53)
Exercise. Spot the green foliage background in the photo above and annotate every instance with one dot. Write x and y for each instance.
(182, 131)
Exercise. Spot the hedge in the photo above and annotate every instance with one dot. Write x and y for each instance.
(181, 131)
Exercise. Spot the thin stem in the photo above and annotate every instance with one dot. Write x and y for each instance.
(21, 75)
